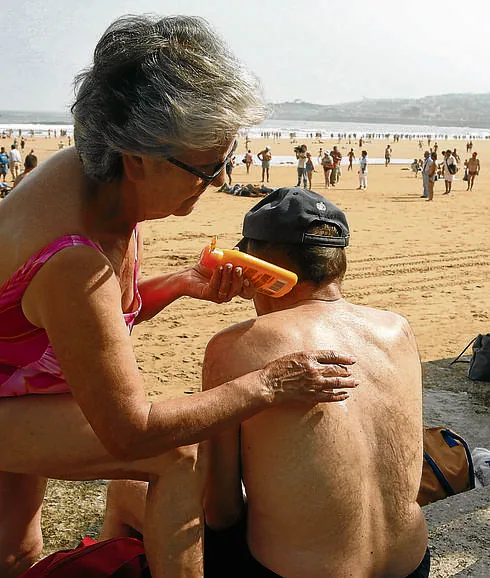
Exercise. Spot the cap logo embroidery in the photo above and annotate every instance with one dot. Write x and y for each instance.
(321, 206)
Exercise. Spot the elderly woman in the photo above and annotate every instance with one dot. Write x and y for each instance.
(155, 122)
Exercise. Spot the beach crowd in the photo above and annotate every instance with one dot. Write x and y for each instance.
(432, 167)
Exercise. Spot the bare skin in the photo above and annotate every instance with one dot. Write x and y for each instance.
(324, 498)
(327, 164)
(351, 156)
(473, 166)
(309, 173)
(108, 428)
(331, 491)
(265, 156)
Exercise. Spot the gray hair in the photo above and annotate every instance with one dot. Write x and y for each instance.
(159, 86)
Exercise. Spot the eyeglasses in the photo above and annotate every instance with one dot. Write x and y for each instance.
(208, 179)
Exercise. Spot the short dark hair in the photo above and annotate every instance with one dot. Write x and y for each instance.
(311, 263)
(30, 161)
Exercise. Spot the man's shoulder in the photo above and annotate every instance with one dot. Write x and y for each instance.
(383, 315)
(391, 328)
(236, 350)
(240, 335)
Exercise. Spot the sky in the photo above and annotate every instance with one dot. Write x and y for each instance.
(317, 51)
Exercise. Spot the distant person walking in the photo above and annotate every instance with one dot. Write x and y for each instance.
(248, 160)
(363, 171)
(301, 156)
(450, 168)
(310, 169)
(432, 176)
(15, 162)
(473, 168)
(327, 164)
(387, 155)
(351, 155)
(426, 171)
(337, 158)
(4, 164)
(229, 168)
(265, 158)
(415, 166)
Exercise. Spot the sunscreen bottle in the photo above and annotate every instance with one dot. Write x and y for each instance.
(265, 277)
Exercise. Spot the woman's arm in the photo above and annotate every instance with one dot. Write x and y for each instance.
(76, 298)
(198, 282)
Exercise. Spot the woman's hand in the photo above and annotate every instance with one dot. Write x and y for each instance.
(219, 286)
(309, 377)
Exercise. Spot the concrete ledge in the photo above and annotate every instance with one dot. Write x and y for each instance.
(459, 535)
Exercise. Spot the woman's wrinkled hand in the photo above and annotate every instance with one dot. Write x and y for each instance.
(219, 286)
(309, 377)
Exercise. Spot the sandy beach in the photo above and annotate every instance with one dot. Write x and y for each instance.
(424, 260)
(427, 261)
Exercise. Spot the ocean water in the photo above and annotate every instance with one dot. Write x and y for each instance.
(376, 130)
(40, 123)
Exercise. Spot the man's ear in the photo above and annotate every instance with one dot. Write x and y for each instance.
(133, 167)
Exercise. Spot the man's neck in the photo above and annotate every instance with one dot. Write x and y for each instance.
(302, 294)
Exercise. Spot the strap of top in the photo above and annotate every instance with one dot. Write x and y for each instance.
(26, 272)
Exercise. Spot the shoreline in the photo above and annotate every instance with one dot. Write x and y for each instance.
(287, 129)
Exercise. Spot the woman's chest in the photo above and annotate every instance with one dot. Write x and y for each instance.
(124, 261)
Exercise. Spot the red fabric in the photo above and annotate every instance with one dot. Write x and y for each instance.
(117, 558)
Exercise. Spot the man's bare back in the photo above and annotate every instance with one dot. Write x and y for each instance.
(331, 489)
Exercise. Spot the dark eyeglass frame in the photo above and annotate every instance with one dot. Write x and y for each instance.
(208, 179)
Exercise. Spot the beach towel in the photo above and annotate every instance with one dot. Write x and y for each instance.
(448, 466)
(116, 558)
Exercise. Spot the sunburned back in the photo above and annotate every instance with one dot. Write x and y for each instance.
(332, 489)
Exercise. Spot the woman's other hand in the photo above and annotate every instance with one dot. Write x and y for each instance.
(309, 377)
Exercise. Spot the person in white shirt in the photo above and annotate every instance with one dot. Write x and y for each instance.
(363, 170)
(15, 162)
(450, 168)
(426, 171)
(301, 156)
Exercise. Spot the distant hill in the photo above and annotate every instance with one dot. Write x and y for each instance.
(14, 117)
(472, 110)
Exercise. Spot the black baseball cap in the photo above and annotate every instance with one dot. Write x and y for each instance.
(285, 215)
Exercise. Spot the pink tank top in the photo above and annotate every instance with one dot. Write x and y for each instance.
(27, 361)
